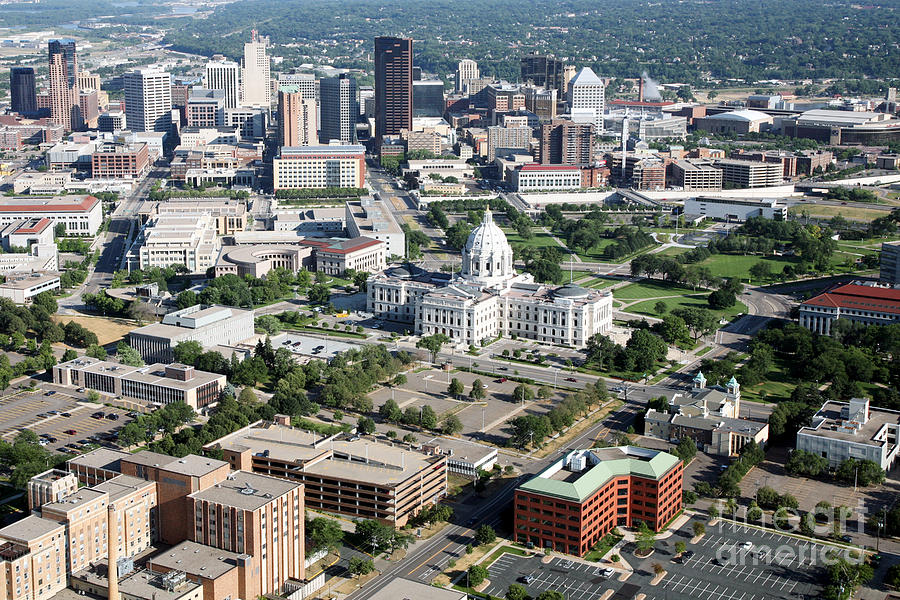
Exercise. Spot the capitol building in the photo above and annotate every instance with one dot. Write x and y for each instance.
(487, 299)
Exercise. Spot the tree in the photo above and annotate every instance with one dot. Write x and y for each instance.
(365, 426)
(761, 270)
(399, 380)
(680, 547)
(658, 569)
(700, 321)
(187, 352)
(807, 464)
(46, 301)
(433, 344)
(860, 472)
(644, 349)
(660, 307)
(96, 351)
(451, 425)
(550, 595)
(390, 411)
(323, 534)
(673, 329)
(518, 592)
(359, 566)
(699, 528)
(478, 390)
(544, 392)
(374, 535)
(722, 299)
(477, 575)
(428, 418)
(523, 393)
(644, 538)
(93, 396)
(128, 355)
(485, 535)
(59, 230)
(319, 294)
(186, 299)
(68, 355)
(455, 388)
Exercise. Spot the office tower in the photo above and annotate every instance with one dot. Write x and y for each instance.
(428, 98)
(296, 118)
(148, 100)
(206, 108)
(499, 137)
(542, 71)
(224, 75)
(22, 91)
(339, 109)
(256, 83)
(63, 66)
(306, 83)
(586, 98)
(564, 142)
(466, 71)
(393, 86)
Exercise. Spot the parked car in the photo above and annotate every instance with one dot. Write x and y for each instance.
(80, 390)
(97, 415)
(112, 417)
(66, 414)
(70, 432)
(50, 393)
(571, 379)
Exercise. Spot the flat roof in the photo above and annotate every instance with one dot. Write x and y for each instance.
(75, 500)
(197, 559)
(602, 464)
(194, 465)
(406, 589)
(122, 485)
(142, 584)
(30, 528)
(462, 449)
(101, 458)
(247, 491)
(828, 421)
(26, 282)
(149, 459)
(341, 458)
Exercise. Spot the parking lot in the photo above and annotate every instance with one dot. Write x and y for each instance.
(45, 414)
(730, 562)
(323, 347)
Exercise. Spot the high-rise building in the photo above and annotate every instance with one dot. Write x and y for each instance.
(466, 71)
(22, 90)
(339, 109)
(63, 68)
(222, 74)
(587, 98)
(428, 98)
(564, 142)
(393, 86)
(297, 124)
(542, 70)
(257, 88)
(518, 137)
(305, 82)
(206, 108)
(88, 81)
(148, 100)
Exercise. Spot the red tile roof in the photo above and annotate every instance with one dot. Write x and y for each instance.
(87, 203)
(337, 246)
(859, 297)
(38, 227)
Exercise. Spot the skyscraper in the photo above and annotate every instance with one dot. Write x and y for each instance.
(564, 142)
(466, 71)
(339, 109)
(222, 74)
(21, 89)
(148, 100)
(393, 86)
(64, 96)
(542, 70)
(296, 118)
(257, 74)
(586, 98)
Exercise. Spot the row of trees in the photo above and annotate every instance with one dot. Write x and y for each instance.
(534, 429)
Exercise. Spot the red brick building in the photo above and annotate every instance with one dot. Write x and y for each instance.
(116, 161)
(574, 502)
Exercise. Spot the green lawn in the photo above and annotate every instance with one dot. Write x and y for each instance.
(650, 289)
(579, 274)
(599, 283)
(671, 252)
(778, 385)
(602, 547)
(595, 254)
(738, 265)
(648, 307)
(540, 239)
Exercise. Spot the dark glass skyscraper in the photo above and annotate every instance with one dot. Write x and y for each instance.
(339, 109)
(393, 86)
(22, 90)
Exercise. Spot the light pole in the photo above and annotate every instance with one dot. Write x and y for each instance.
(555, 375)
(482, 419)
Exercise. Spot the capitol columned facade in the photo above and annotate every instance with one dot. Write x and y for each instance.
(487, 299)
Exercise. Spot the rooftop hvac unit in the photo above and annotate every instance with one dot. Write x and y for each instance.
(577, 463)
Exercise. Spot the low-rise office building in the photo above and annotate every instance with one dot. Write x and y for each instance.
(154, 384)
(866, 304)
(463, 457)
(43, 183)
(211, 325)
(22, 288)
(306, 167)
(695, 175)
(749, 173)
(843, 430)
(370, 217)
(81, 215)
(112, 160)
(735, 209)
(359, 478)
(27, 233)
(536, 177)
(573, 503)
(177, 239)
(335, 256)
(230, 215)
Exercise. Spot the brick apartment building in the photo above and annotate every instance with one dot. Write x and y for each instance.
(580, 498)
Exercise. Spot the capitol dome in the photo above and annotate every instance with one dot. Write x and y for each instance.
(487, 257)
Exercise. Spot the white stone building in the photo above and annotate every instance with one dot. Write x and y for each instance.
(488, 299)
